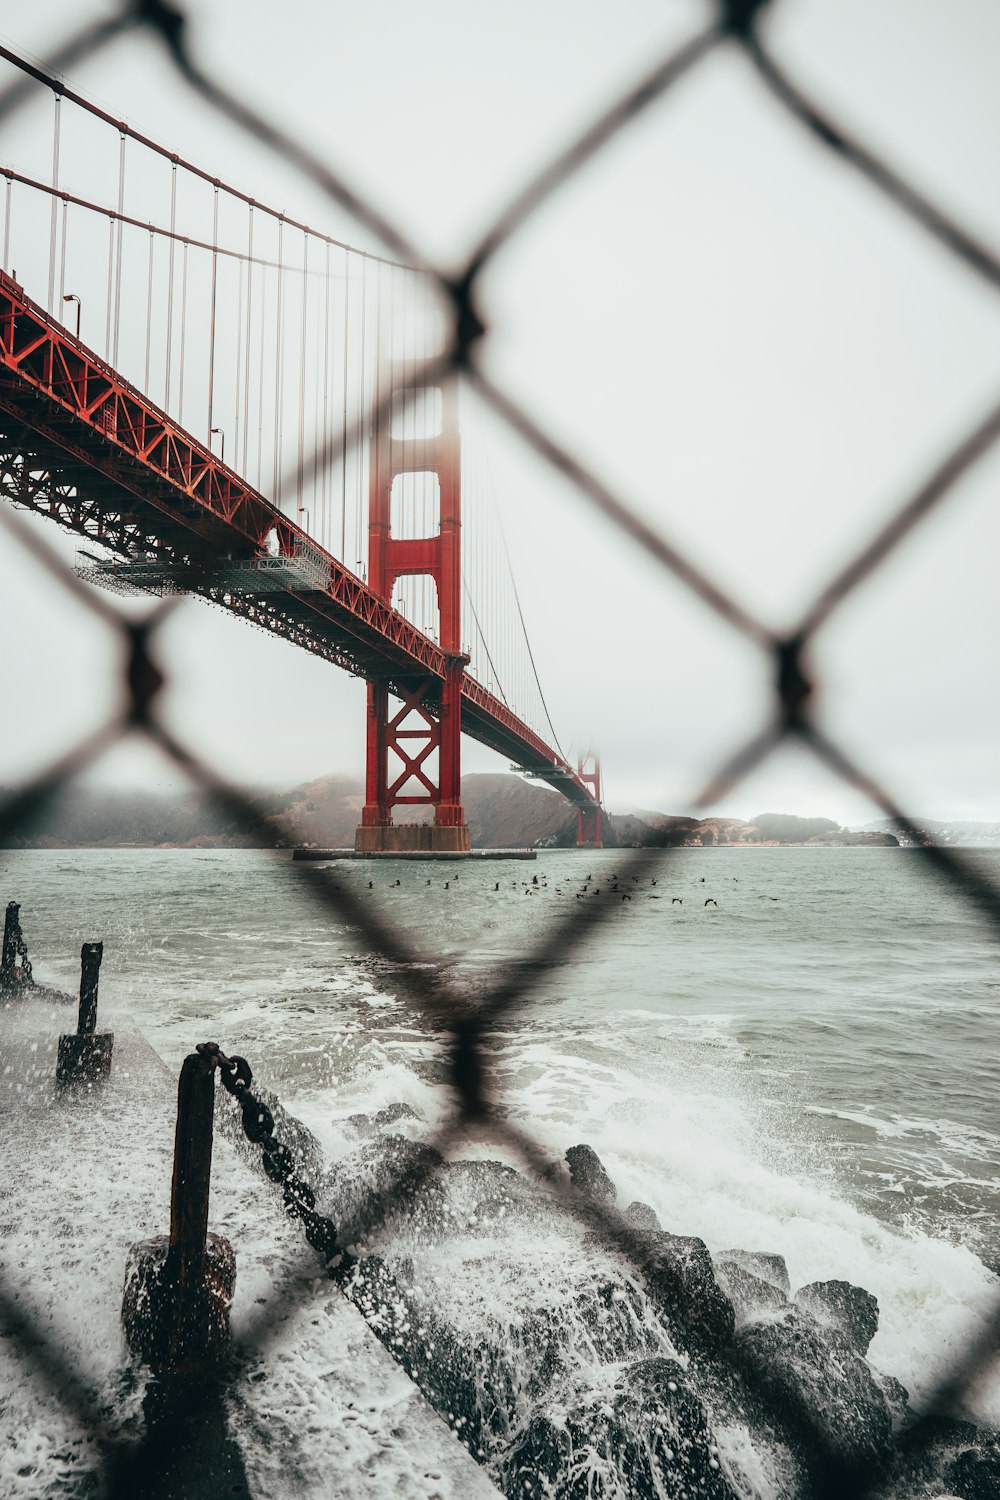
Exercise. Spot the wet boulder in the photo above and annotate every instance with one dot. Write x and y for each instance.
(649, 1439)
(641, 1216)
(761, 1263)
(361, 1124)
(393, 1113)
(752, 1298)
(440, 1364)
(587, 1173)
(974, 1473)
(838, 1304)
(681, 1284)
(812, 1381)
(482, 1192)
(947, 1457)
(539, 1461)
(389, 1181)
(897, 1398)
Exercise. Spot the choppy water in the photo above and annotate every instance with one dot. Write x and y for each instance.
(809, 1067)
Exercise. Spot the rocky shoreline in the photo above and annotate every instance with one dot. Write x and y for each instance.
(582, 1352)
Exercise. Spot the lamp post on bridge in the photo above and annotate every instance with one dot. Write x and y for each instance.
(72, 297)
(222, 442)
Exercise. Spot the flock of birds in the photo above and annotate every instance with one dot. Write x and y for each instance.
(611, 887)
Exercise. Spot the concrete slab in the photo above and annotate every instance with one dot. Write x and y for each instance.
(323, 1410)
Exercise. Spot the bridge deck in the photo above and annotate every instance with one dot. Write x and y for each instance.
(82, 445)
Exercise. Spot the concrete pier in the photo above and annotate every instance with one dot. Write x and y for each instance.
(414, 854)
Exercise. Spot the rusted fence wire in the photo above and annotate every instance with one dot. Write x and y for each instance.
(736, 25)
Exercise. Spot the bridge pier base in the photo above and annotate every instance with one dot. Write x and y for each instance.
(412, 838)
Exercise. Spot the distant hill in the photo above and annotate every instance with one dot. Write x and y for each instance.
(974, 835)
(661, 830)
(503, 811)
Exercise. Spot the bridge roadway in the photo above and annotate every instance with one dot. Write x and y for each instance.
(80, 444)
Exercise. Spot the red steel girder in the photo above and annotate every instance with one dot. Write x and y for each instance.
(113, 466)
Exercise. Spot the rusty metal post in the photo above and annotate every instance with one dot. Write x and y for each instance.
(90, 972)
(11, 925)
(86, 1056)
(15, 968)
(178, 1287)
(192, 1176)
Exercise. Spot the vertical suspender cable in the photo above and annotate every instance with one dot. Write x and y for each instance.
(249, 331)
(343, 436)
(359, 453)
(6, 225)
(111, 275)
(377, 371)
(237, 426)
(118, 249)
(170, 284)
(301, 456)
(323, 435)
(279, 385)
(211, 317)
(149, 310)
(260, 381)
(62, 253)
(54, 226)
(184, 299)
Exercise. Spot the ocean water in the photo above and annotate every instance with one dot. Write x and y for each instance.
(809, 1066)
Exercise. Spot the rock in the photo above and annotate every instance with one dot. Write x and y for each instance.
(480, 1192)
(681, 1284)
(587, 1172)
(948, 1457)
(650, 1440)
(897, 1398)
(361, 1123)
(538, 1461)
(763, 1263)
(393, 1112)
(667, 1434)
(641, 1216)
(752, 1298)
(442, 1367)
(975, 1474)
(817, 1386)
(838, 1304)
(388, 1180)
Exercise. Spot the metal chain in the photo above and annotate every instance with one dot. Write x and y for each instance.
(278, 1162)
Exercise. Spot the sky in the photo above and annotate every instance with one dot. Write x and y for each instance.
(730, 327)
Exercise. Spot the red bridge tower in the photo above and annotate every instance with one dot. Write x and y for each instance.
(419, 723)
(588, 819)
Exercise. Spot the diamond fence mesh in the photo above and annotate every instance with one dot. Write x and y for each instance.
(443, 1002)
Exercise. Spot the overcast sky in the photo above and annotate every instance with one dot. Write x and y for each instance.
(729, 326)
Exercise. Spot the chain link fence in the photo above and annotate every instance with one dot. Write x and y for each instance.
(737, 24)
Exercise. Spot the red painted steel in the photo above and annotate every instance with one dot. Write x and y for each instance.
(80, 444)
(439, 557)
(588, 816)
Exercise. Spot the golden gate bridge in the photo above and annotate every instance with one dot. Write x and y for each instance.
(226, 402)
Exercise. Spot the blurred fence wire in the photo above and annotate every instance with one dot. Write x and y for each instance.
(737, 25)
